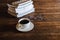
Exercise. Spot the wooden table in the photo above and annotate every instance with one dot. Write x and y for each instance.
(46, 19)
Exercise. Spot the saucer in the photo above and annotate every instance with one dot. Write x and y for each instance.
(19, 27)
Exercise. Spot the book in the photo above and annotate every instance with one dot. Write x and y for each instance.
(25, 8)
(21, 8)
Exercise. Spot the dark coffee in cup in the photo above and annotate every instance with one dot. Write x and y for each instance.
(24, 21)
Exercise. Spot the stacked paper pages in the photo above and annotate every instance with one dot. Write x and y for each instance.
(24, 8)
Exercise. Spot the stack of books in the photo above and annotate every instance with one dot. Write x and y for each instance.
(21, 8)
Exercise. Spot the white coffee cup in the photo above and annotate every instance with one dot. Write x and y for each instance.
(24, 25)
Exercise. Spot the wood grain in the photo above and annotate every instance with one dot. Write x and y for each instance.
(46, 19)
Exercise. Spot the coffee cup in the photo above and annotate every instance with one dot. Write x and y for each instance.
(24, 25)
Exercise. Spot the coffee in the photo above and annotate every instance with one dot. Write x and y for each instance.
(24, 22)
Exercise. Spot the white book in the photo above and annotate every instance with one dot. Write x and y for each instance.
(22, 10)
(25, 8)
(23, 14)
(19, 6)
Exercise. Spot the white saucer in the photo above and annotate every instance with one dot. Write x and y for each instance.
(26, 29)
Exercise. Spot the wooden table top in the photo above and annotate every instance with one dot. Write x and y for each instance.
(46, 19)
